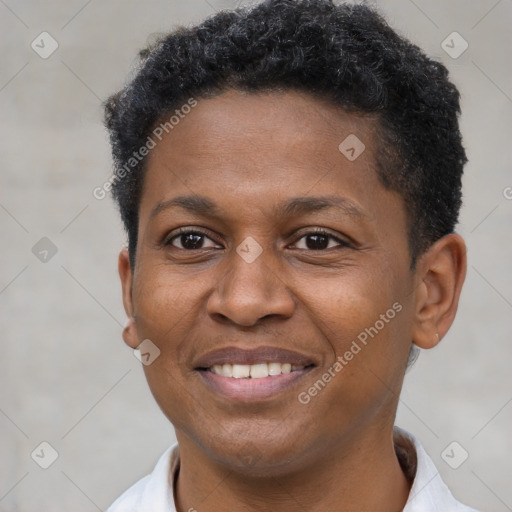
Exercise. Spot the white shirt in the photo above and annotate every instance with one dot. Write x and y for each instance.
(429, 493)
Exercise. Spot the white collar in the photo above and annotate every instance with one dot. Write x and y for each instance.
(429, 493)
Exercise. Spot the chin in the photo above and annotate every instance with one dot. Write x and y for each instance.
(267, 451)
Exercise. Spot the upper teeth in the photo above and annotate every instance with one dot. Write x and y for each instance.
(255, 371)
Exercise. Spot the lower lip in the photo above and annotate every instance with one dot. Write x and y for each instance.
(252, 390)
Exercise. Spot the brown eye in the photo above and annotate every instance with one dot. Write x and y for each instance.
(320, 240)
(190, 240)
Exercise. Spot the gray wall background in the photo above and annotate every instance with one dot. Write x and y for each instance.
(66, 376)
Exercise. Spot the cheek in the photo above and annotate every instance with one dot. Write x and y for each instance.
(346, 306)
(165, 306)
(170, 393)
(163, 302)
(363, 318)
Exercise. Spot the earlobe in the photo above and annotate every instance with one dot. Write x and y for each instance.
(130, 334)
(441, 275)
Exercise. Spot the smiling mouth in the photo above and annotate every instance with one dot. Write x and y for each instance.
(252, 375)
(254, 371)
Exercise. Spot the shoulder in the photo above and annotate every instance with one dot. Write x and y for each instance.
(153, 493)
(129, 501)
(428, 491)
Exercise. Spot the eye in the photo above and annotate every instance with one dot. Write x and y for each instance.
(189, 240)
(320, 240)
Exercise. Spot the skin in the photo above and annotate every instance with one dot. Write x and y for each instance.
(249, 153)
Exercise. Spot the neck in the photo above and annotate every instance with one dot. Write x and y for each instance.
(366, 476)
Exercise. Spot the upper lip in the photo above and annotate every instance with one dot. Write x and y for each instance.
(236, 355)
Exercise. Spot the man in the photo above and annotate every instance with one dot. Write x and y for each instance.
(289, 177)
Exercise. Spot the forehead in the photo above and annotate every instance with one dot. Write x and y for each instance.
(232, 119)
(240, 143)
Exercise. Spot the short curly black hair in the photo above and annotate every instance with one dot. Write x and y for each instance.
(344, 53)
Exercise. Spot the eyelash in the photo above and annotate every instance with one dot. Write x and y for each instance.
(197, 231)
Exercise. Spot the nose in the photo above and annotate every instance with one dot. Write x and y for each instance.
(247, 292)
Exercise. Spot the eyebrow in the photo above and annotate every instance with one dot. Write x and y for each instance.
(294, 207)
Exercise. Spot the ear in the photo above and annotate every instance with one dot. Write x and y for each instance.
(440, 275)
(130, 334)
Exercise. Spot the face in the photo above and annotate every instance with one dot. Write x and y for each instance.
(263, 248)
